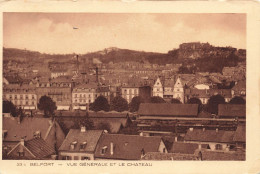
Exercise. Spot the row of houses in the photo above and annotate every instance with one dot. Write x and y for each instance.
(69, 94)
(44, 136)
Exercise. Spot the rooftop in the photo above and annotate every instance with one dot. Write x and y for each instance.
(166, 109)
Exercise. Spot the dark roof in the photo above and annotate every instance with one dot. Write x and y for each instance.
(127, 147)
(185, 148)
(100, 114)
(91, 137)
(223, 156)
(166, 109)
(39, 148)
(232, 110)
(240, 134)
(26, 128)
(204, 114)
(169, 156)
(219, 136)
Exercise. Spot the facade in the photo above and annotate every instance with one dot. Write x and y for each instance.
(58, 89)
(158, 88)
(58, 73)
(29, 150)
(178, 90)
(127, 147)
(23, 96)
(129, 92)
(15, 129)
(84, 94)
(80, 144)
(214, 140)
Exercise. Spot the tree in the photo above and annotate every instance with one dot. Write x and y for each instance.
(237, 100)
(100, 104)
(176, 101)
(9, 107)
(119, 104)
(213, 103)
(135, 103)
(195, 100)
(47, 105)
(157, 99)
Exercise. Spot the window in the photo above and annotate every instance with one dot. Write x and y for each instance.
(83, 145)
(85, 158)
(37, 134)
(32, 102)
(218, 147)
(26, 97)
(104, 150)
(66, 158)
(20, 154)
(26, 102)
(15, 96)
(158, 89)
(32, 96)
(75, 95)
(10, 96)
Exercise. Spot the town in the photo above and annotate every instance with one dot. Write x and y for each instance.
(118, 104)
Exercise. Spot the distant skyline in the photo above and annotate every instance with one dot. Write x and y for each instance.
(62, 33)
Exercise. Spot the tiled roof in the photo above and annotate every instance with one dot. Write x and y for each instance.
(91, 137)
(39, 147)
(227, 156)
(240, 134)
(169, 156)
(232, 110)
(26, 128)
(219, 136)
(126, 147)
(185, 148)
(166, 109)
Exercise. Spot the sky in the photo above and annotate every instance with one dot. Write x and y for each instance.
(54, 32)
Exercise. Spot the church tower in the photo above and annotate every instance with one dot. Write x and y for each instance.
(178, 90)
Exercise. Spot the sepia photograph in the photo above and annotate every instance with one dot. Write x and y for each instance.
(124, 86)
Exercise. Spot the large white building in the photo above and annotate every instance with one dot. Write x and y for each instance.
(85, 94)
(23, 96)
(167, 91)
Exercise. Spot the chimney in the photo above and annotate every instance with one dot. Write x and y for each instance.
(111, 148)
(83, 129)
(22, 141)
(176, 139)
(217, 130)
(191, 129)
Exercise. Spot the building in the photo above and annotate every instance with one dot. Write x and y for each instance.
(215, 140)
(15, 129)
(58, 89)
(239, 89)
(232, 111)
(58, 73)
(80, 144)
(34, 149)
(22, 96)
(178, 90)
(127, 147)
(129, 92)
(84, 94)
(158, 88)
(160, 110)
